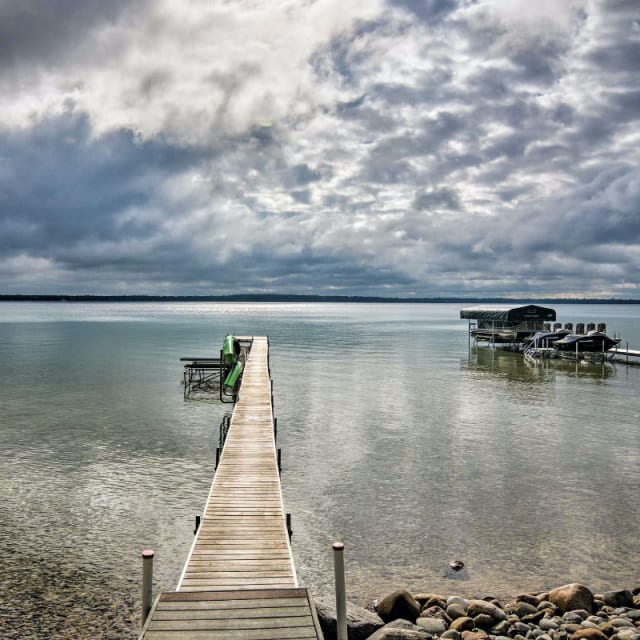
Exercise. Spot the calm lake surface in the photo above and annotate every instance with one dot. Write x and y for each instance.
(396, 439)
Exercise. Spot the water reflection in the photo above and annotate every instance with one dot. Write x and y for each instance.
(514, 366)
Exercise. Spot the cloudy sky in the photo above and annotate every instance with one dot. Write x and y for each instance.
(372, 147)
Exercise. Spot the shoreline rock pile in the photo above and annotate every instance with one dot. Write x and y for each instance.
(570, 612)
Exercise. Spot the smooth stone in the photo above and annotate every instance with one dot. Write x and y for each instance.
(622, 598)
(572, 617)
(483, 621)
(422, 598)
(534, 618)
(451, 634)
(455, 610)
(587, 624)
(477, 607)
(458, 600)
(528, 598)
(627, 634)
(621, 622)
(520, 608)
(572, 596)
(361, 623)
(571, 628)
(435, 612)
(607, 628)
(544, 636)
(634, 614)
(501, 629)
(535, 632)
(588, 634)
(400, 630)
(547, 624)
(398, 605)
(434, 626)
(462, 624)
(435, 601)
(474, 635)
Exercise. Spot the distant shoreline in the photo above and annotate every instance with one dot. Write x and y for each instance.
(260, 297)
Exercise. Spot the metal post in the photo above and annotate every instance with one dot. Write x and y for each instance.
(341, 599)
(197, 525)
(289, 528)
(217, 456)
(147, 582)
(275, 428)
(280, 461)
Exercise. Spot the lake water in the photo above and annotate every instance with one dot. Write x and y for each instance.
(397, 439)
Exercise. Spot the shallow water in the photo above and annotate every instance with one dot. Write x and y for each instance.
(396, 438)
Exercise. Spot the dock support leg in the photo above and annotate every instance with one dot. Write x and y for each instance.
(280, 461)
(341, 598)
(147, 583)
(289, 528)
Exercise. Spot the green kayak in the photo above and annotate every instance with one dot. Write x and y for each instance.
(234, 374)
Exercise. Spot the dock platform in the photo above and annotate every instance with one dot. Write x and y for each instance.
(239, 580)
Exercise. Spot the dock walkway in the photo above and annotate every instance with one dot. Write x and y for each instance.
(239, 580)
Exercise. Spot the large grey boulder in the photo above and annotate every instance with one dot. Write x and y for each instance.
(361, 623)
(401, 630)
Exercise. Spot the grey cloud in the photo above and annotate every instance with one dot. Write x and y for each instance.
(440, 198)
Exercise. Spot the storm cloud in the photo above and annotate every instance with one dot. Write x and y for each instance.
(400, 148)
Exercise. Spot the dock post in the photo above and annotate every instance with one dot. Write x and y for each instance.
(341, 598)
(289, 528)
(147, 583)
(280, 461)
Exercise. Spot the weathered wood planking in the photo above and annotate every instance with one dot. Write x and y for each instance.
(239, 580)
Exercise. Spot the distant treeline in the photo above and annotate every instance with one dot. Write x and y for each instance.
(273, 297)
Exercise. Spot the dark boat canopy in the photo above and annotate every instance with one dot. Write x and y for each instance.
(509, 314)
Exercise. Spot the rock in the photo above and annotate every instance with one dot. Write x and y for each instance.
(361, 623)
(483, 621)
(621, 622)
(572, 596)
(451, 634)
(477, 607)
(588, 634)
(435, 601)
(462, 624)
(454, 610)
(474, 635)
(399, 604)
(436, 612)
(501, 629)
(521, 608)
(529, 599)
(533, 618)
(423, 598)
(400, 630)
(634, 614)
(607, 628)
(622, 598)
(459, 600)
(573, 617)
(434, 626)
(547, 624)
(627, 634)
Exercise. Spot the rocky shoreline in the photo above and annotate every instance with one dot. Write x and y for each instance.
(569, 612)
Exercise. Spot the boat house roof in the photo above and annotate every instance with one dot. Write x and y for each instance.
(508, 314)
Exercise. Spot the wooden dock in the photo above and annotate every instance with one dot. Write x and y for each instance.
(239, 580)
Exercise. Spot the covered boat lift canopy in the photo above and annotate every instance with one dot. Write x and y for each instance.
(507, 325)
(509, 315)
